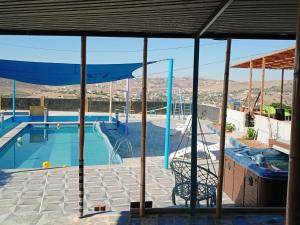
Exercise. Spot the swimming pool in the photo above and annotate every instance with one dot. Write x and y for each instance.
(59, 146)
(6, 126)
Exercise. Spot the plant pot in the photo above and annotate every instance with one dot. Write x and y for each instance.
(279, 115)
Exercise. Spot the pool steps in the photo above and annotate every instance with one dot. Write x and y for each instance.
(113, 154)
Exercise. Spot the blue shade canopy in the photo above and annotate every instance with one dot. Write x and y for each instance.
(64, 74)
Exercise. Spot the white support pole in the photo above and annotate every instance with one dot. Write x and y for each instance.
(127, 106)
(110, 102)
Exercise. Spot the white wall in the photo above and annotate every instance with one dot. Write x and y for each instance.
(237, 118)
(266, 127)
(271, 128)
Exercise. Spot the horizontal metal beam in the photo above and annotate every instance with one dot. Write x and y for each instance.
(225, 210)
(149, 34)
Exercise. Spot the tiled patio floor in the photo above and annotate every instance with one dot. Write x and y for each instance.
(55, 191)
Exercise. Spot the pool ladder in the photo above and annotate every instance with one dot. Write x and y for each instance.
(120, 141)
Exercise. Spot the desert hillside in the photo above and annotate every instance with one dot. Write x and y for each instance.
(210, 90)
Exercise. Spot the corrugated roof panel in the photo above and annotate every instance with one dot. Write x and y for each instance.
(163, 18)
(258, 17)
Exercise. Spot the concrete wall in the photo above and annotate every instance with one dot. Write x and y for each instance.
(74, 104)
(204, 111)
(266, 127)
(271, 128)
(209, 112)
(237, 118)
(21, 103)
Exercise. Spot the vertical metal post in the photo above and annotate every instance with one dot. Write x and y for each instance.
(194, 128)
(13, 99)
(191, 102)
(223, 131)
(127, 106)
(293, 194)
(168, 114)
(281, 88)
(262, 88)
(143, 138)
(110, 102)
(81, 131)
(250, 86)
(183, 101)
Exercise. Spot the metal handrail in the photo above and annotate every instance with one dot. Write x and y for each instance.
(118, 144)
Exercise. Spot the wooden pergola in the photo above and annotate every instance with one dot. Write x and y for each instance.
(279, 60)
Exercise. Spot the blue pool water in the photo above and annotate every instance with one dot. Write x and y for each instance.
(11, 123)
(6, 126)
(58, 146)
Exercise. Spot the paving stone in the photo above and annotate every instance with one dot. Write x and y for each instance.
(119, 201)
(27, 209)
(14, 219)
(55, 187)
(34, 188)
(72, 186)
(8, 201)
(71, 198)
(71, 207)
(51, 219)
(93, 203)
(52, 207)
(30, 201)
(32, 194)
(94, 185)
(100, 195)
(53, 198)
(54, 193)
(119, 194)
(95, 190)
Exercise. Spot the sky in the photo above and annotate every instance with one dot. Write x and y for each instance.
(127, 50)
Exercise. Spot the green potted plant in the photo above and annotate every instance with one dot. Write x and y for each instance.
(251, 134)
(230, 127)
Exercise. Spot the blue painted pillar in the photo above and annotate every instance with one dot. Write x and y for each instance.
(13, 99)
(168, 115)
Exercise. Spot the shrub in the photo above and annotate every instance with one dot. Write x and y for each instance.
(285, 107)
(251, 134)
(230, 127)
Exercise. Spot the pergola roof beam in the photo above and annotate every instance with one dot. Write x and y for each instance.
(283, 59)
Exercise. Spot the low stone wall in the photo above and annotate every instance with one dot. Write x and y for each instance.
(60, 104)
(74, 104)
(209, 112)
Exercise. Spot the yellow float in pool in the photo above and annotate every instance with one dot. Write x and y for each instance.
(58, 126)
(46, 164)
